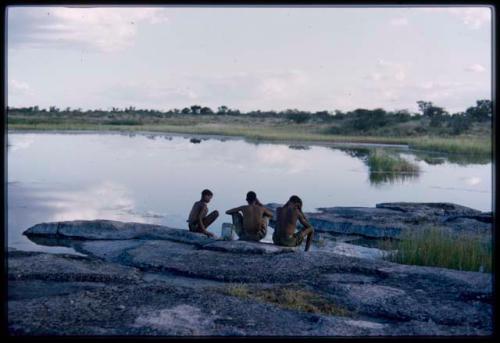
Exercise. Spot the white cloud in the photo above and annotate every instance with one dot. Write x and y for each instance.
(400, 75)
(399, 21)
(282, 85)
(19, 93)
(103, 29)
(473, 17)
(389, 70)
(476, 68)
(19, 85)
(375, 76)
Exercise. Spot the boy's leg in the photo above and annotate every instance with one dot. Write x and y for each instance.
(210, 218)
(263, 229)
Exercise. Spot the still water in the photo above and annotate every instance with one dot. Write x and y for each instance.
(156, 178)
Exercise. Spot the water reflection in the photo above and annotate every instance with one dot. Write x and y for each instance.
(384, 166)
(380, 178)
(430, 158)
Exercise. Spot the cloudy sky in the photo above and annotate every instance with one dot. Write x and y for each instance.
(250, 58)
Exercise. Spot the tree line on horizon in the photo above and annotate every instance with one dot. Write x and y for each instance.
(356, 120)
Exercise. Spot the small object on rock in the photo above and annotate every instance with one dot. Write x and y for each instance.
(227, 233)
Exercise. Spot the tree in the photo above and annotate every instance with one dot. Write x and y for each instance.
(222, 110)
(186, 110)
(206, 110)
(435, 113)
(195, 109)
(297, 116)
(339, 114)
(481, 112)
(459, 123)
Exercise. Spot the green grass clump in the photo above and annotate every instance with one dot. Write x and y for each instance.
(440, 247)
(290, 298)
(385, 167)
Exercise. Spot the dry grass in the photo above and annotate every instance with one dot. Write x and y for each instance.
(290, 298)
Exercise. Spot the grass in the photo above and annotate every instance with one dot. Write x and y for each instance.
(385, 167)
(439, 247)
(456, 145)
(289, 298)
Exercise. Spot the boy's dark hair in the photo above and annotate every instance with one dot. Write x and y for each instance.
(206, 192)
(295, 200)
(251, 196)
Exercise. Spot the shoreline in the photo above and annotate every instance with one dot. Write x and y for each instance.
(458, 146)
(214, 136)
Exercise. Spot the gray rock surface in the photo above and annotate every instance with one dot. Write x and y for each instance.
(174, 282)
(390, 220)
(101, 229)
(382, 300)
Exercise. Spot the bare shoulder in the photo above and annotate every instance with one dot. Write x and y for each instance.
(199, 205)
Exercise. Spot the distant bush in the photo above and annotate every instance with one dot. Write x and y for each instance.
(334, 130)
(299, 117)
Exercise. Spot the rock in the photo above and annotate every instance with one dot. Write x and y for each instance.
(245, 247)
(390, 220)
(143, 279)
(382, 298)
(114, 230)
(61, 267)
(429, 209)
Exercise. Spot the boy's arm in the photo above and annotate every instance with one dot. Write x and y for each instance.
(268, 212)
(303, 220)
(234, 210)
(200, 217)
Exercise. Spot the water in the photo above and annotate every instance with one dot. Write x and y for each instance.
(156, 179)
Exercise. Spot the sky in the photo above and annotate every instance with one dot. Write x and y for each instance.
(248, 58)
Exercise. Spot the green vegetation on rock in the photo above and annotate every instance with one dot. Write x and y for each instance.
(288, 297)
(439, 247)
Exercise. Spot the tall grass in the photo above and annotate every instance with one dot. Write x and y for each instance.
(440, 247)
(457, 145)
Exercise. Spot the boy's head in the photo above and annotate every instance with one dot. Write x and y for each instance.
(251, 197)
(295, 200)
(206, 195)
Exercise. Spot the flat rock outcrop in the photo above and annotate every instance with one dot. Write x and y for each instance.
(174, 284)
(390, 220)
